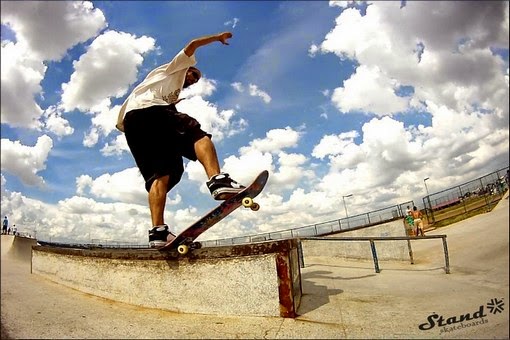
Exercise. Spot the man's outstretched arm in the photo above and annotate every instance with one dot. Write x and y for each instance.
(190, 49)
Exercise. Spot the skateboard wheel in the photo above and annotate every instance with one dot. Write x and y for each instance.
(182, 249)
(255, 206)
(247, 202)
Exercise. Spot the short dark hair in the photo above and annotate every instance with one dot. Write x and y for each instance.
(196, 71)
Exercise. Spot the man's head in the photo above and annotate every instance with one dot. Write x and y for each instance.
(192, 76)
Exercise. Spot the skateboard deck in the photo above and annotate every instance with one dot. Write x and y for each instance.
(185, 240)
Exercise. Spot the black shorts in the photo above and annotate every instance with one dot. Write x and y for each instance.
(158, 137)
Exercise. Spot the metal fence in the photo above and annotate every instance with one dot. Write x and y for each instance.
(320, 229)
(481, 194)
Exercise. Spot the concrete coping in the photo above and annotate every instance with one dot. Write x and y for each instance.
(259, 248)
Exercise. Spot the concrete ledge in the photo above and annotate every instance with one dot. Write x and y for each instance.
(261, 279)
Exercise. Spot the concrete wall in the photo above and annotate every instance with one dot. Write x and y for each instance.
(21, 247)
(386, 250)
(261, 280)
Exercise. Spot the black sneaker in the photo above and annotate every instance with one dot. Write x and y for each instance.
(159, 236)
(222, 187)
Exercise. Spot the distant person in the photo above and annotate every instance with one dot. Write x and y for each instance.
(14, 229)
(408, 211)
(417, 219)
(5, 225)
(409, 225)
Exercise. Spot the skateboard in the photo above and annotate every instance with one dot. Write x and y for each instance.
(186, 239)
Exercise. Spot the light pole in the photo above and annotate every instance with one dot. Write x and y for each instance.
(428, 199)
(345, 207)
(425, 182)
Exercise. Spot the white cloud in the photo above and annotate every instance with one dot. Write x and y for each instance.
(443, 51)
(125, 186)
(253, 90)
(334, 3)
(103, 123)
(67, 23)
(261, 154)
(313, 50)
(370, 91)
(219, 123)
(204, 88)
(23, 68)
(21, 74)
(334, 145)
(292, 171)
(55, 123)
(238, 86)
(256, 92)
(106, 70)
(232, 23)
(117, 146)
(275, 140)
(26, 161)
(456, 59)
(267, 154)
(245, 167)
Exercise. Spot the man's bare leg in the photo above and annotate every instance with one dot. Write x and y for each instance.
(206, 154)
(157, 199)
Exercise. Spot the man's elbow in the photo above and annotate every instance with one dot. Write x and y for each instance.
(190, 48)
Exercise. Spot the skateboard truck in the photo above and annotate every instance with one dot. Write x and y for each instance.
(184, 248)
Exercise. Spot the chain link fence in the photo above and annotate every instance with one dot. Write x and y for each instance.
(466, 199)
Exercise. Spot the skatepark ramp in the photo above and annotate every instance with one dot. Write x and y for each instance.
(261, 279)
(18, 248)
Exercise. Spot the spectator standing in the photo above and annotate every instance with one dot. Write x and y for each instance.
(5, 225)
(417, 219)
(410, 225)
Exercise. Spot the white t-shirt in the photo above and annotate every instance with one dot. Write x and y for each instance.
(162, 86)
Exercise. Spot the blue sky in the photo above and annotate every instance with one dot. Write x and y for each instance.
(333, 98)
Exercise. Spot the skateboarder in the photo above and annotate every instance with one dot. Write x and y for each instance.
(159, 136)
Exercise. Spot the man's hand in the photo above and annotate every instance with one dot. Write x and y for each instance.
(224, 36)
(198, 42)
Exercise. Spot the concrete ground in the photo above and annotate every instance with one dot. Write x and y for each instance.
(341, 298)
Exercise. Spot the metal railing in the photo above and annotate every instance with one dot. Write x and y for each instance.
(383, 215)
(372, 240)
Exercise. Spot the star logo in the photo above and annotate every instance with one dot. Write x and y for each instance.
(495, 306)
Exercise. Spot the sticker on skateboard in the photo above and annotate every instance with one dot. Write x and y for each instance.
(186, 239)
